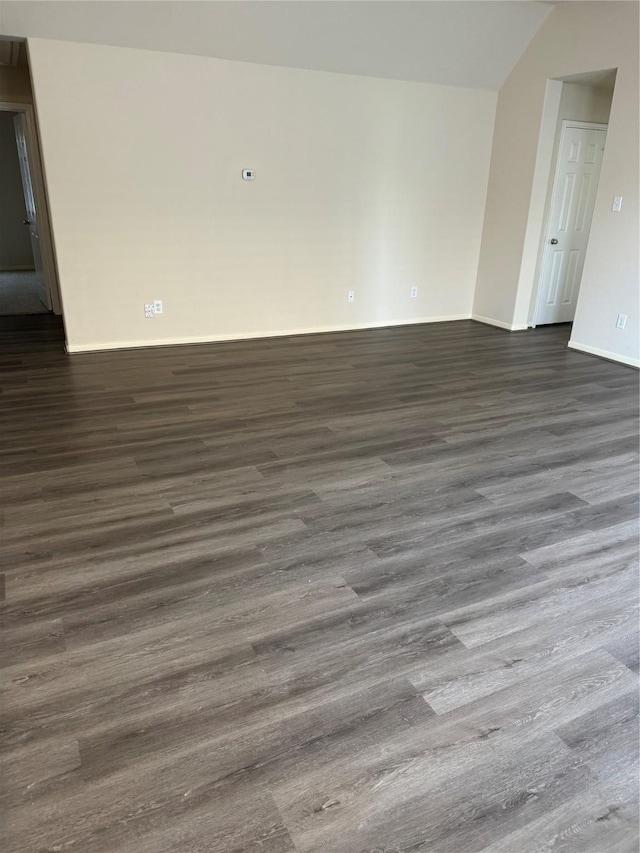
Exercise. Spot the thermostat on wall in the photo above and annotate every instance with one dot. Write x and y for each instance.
(248, 175)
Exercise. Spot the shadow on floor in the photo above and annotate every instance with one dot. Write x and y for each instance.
(29, 334)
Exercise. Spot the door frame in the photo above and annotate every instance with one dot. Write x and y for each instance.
(567, 123)
(49, 265)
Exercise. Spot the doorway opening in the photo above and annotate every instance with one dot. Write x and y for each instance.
(28, 279)
(578, 150)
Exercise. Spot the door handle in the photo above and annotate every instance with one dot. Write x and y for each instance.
(553, 241)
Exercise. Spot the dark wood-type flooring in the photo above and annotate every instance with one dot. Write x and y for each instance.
(367, 591)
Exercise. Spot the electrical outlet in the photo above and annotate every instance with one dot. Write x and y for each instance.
(157, 306)
(621, 322)
(351, 295)
(149, 313)
(414, 292)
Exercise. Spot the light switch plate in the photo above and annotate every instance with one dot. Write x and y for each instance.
(616, 207)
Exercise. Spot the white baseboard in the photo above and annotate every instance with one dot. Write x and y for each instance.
(241, 336)
(510, 327)
(603, 353)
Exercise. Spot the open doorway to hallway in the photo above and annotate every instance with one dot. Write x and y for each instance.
(28, 281)
(22, 289)
(579, 145)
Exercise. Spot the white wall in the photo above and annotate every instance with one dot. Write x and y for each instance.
(576, 38)
(465, 43)
(15, 243)
(364, 184)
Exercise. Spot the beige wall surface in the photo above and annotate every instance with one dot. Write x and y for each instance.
(576, 38)
(15, 244)
(361, 184)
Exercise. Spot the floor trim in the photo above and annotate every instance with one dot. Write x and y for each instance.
(248, 336)
(510, 327)
(604, 353)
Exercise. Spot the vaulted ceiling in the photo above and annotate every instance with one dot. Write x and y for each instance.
(452, 42)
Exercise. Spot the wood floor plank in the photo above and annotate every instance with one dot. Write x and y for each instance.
(392, 789)
(527, 653)
(342, 593)
(597, 820)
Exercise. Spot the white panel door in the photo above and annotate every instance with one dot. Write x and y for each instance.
(31, 222)
(574, 195)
